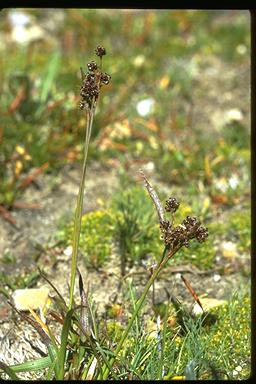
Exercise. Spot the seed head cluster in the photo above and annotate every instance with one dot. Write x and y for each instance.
(92, 81)
(171, 205)
(100, 51)
(189, 229)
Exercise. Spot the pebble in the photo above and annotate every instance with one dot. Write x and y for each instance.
(229, 249)
(68, 251)
(216, 277)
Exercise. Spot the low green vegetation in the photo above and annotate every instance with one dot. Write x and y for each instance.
(183, 346)
(132, 216)
(135, 231)
(26, 279)
(230, 337)
(97, 230)
(204, 346)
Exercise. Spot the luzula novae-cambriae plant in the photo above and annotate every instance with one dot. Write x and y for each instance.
(92, 81)
(174, 238)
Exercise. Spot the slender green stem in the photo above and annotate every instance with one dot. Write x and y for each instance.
(139, 303)
(162, 341)
(79, 206)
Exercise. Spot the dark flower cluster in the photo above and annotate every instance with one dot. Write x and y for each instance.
(177, 236)
(201, 234)
(189, 229)
(100, 51)
(92, 66)
(171, 205)
(92, 82)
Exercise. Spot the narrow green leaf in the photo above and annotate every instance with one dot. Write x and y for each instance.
(50, 371)
(49, 76)
(9, 371)
(161, 361)
(47, 80)
(34, 365)
(63, 348)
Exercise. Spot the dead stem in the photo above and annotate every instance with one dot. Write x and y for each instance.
(155, 198)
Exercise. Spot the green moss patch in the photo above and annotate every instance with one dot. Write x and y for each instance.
(96, 237)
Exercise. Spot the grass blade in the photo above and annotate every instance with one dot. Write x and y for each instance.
(9, 371)
(29, 366)
(54, 288)
(48, 79)
(63, 348)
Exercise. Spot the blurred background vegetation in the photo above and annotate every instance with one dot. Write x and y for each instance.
(178, 101)
(177, 105)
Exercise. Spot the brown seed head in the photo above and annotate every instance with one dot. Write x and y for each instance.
(171, 205)
(100, 51)
(201, 234)
(92, 66)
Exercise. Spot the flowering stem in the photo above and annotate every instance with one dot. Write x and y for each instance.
(79, 205)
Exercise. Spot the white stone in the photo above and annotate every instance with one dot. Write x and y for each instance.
(30, 298)
(216, 277)
(233, 115)
(241, 49)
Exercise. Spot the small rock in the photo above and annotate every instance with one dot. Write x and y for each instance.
(68, 250)
(145, 107)
(233, 115)
(149, 167)
(216, 277)
(30, 298)
(229, 249)
(207, 304)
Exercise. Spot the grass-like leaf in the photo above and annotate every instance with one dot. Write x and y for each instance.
(63, 348)
(9, 371)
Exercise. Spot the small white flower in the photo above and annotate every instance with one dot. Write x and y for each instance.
(145, 107)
